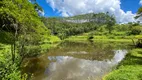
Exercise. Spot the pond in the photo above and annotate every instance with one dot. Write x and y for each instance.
(76, 61)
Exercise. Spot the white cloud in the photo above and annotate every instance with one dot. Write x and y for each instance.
(75, 7)
(41, 13)
(140, 2)
(65, 14)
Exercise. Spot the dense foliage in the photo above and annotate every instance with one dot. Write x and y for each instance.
(64, 27)
(19, 27)
(139, 13)
(100, 24)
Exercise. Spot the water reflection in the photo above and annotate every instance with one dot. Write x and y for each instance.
(76, 61)
(69, 68)
(89, 51)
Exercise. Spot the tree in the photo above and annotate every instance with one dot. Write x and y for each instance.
(64, 27)
(139, 13)
(20, 24)
(110, 22)
(136, 30)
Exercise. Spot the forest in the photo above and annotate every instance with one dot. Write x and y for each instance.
(24, 34)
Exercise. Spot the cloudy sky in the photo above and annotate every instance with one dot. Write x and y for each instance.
(124, 10)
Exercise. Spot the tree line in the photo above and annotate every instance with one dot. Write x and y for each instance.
(65, 27)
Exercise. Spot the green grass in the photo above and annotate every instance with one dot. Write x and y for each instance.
(129, 69)
(4, 47)
(105, 38)
(52, 41)
(45, 45)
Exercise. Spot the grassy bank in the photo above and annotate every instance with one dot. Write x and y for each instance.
(105, 38)
(49, 43)
(45, 45)
(129, 69)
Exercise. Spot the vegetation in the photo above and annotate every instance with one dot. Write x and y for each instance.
(120, 33)
(136, 30)
(65, 27)
(129, 69)
(25, 33)
(101, 24)
(20, 25)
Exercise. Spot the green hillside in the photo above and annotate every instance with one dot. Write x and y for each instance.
(65, 27)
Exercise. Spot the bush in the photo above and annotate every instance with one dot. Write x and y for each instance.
(8, 70)
(136, 30)
(90, 36)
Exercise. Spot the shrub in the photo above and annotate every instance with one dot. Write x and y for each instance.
(136, 30)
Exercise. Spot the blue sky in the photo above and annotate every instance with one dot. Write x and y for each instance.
(130, 5)
(124, 10)
(126, 5)
(47, 8)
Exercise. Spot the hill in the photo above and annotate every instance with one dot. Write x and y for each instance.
(68, 26)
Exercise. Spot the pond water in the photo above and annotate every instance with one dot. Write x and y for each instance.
(76, 61)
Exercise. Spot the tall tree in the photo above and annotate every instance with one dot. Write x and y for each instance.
(139, 13)
(110, 22)
(21, 25)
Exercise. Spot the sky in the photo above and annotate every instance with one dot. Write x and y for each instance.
(123, 10)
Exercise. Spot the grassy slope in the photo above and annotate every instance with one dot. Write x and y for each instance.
(129, 69)
(105, 38)
(49, 43)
